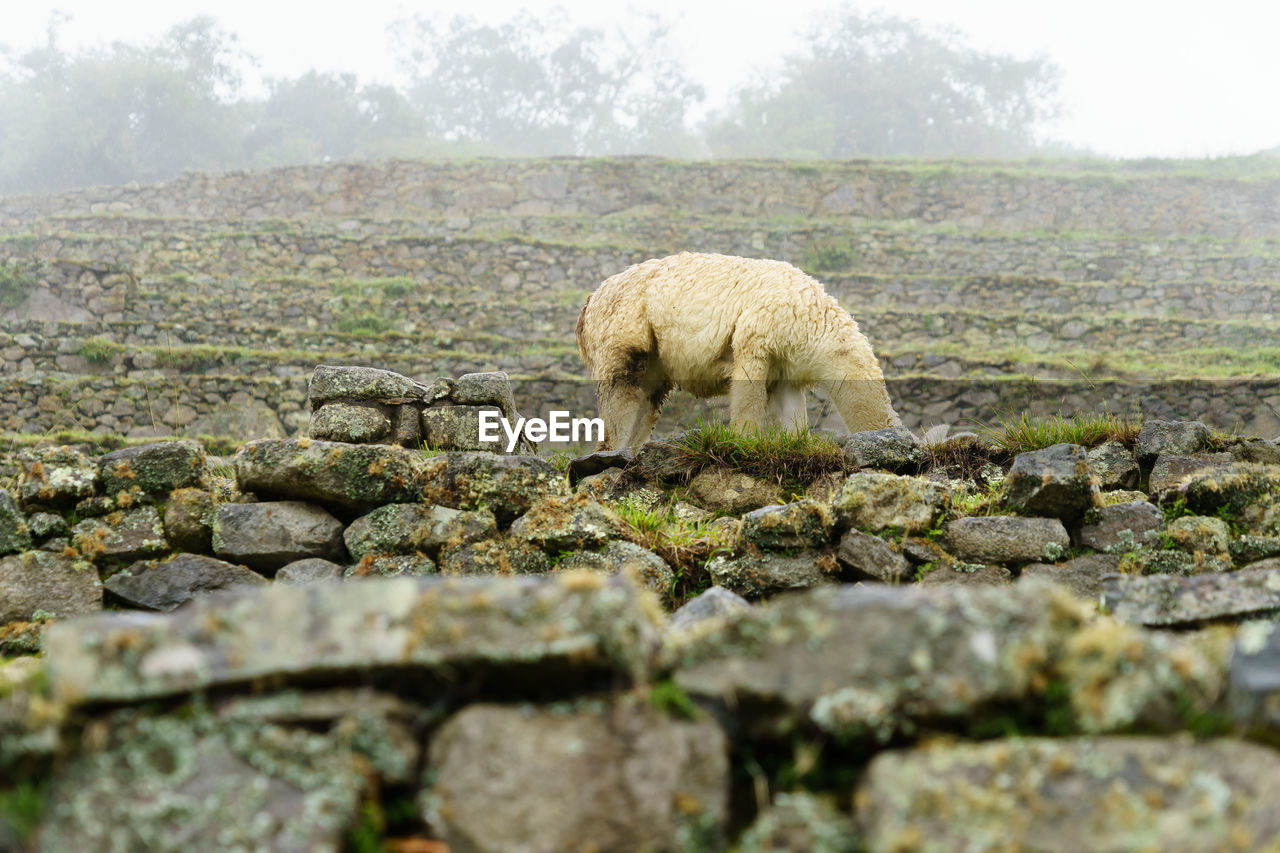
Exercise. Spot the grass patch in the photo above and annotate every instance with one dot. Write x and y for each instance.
(685, 545)
(99, 350)
(16, 282)
(829, 254)
(786, 456)
(1088, 429)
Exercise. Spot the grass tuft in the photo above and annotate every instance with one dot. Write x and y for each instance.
(1088, 429)
(783, 455)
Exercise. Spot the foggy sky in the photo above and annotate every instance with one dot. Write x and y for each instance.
(1138, 78)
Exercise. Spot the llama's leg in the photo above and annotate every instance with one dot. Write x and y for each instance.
(749, 393)
(787, 406)
(863, 403)
(624, 409)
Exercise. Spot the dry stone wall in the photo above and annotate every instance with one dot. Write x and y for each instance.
(1011, 197)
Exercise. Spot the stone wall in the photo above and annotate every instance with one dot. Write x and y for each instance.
(152, 403)
(1012, 197)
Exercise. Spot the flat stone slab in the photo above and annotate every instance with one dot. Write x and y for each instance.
(560, 629)
(349, 476)
(39, 580)
(157, 468)
(127, 535)
(1076, 794)
(756, 575)
(163, 585)
(224, 785)
(333, 382)
(1006, 539)
(857, 660)
(271, 534)
(1167, 600)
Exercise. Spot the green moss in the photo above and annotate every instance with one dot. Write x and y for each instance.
(670, 698)
(21, 808)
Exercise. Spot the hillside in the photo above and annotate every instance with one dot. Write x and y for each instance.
(200, 306)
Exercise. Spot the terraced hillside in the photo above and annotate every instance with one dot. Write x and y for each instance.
(201, 306)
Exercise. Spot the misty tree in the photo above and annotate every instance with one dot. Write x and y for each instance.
(540, 86)
(877, 85)
(327, 116)
(119, 114)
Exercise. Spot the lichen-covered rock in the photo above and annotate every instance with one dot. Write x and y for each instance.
(458, 428)
(803, 524)
(892, 448)
(1005, 539)
(732, 492)
(371, 384)
(872, 557)
(1250, 549)
(1114, 465)
(1179, 438)
(559, 523)
(310, 569)
(1169, 472)
(662, 462)
(191, 782)
(1199, 533)
(874, 501)
(165, 584)
(121, 535)
(359, 424)
(42, 525)
(590, 464)
(1081, 576)
(599, 776)
(1254, 450)
(753, 576)
(267, 535)
(966, 574)
(56, 476)
(564, 630)
(406, 528)
(1169, 561)
(1106, 793)
(709, 604)
(1056, 482)
(1175, 437)
(15, 534)
(647, 568)
(494, 557)
(485, 389)
(800, 823)
(188, 520)
(156, 469)
(870, 659)
(1118, 677)
(1120, 527)
(1253, 698)
(28, 731)
(1233, 488)
(39, 580)
(1167, 600)
(392, 566)
(347, 476)
(507, 485)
